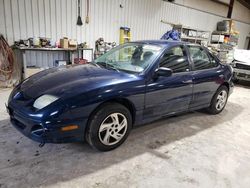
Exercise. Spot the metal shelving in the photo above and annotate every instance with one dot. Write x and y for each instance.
(193, 35)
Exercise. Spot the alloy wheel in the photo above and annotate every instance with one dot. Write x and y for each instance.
(113, 128)
(221, 100)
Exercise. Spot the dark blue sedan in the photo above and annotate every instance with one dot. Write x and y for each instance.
(132, 84)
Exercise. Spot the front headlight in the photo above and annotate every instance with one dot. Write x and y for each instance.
(44, 101)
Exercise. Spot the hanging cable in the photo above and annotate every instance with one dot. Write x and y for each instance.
(6, 60)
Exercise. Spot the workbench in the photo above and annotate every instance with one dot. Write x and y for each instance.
(69, 51)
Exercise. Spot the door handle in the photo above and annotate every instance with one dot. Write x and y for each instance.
(187, 81)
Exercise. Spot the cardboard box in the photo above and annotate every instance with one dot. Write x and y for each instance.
(217, 38)
(72, 43)
(59, 63)
(64, 43)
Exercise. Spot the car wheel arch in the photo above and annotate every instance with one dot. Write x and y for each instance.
(123, 101)
(211, 109)
(225, 84)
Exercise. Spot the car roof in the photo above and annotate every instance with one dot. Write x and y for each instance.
(163, 43)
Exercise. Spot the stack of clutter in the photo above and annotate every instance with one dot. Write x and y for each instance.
(42, 42)
(68, 43)
(224, 40)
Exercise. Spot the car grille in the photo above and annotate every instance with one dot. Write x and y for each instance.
(242, 75)
(242, 66)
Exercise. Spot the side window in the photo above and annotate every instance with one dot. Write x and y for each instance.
(175, 59)
(201, 59)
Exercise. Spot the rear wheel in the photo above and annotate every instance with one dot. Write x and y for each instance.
(219, 100)
(109, 127)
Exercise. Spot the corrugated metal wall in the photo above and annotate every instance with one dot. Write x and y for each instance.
(57, 18)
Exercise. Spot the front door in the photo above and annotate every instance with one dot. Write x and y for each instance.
(166, 95)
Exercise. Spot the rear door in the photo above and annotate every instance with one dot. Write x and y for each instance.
(206, 76)
(172, 94)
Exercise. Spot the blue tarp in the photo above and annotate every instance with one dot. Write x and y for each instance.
(171, 35)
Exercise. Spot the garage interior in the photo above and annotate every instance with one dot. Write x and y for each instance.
(193, 149)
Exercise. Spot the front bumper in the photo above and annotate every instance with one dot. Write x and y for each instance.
(47, 131)
(242, 74)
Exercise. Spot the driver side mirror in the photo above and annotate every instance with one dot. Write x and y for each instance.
(163, 71)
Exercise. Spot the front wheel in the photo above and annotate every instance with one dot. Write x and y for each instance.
(219, 100)
(109, 127)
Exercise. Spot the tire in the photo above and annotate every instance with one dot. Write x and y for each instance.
(109, 127)
(214, 106)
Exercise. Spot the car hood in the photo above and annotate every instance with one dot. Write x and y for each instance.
(67, 80)
(242, 56)
(241, 62)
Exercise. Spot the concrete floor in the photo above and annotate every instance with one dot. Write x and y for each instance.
(191, 150)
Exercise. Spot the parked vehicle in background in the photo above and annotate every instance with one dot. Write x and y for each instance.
(241, 65)
(132, 84)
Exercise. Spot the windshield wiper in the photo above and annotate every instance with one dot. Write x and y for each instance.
(113, 67)
(107, 65)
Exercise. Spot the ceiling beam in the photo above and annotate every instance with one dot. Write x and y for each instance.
(230, 9)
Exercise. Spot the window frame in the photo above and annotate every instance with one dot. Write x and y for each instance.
(185, 51)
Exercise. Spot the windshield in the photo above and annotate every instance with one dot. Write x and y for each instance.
(130, 57)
